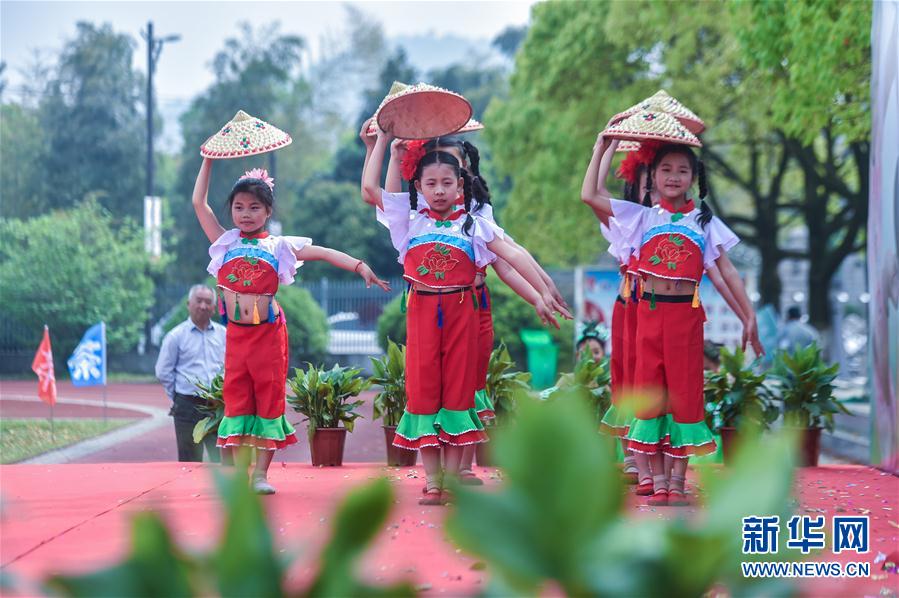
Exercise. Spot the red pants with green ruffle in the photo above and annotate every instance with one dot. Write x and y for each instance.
(669, 369)
(441, 372)
(256, 358)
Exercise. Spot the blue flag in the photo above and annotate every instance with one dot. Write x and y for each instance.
(87, 365)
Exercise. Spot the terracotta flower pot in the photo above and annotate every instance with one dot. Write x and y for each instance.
(396, 456)
(809, 446)
(729, 441)
(326, 446)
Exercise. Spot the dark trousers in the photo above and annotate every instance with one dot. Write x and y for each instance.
(186, 415)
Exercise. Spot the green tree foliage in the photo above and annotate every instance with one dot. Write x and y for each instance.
(103, 276)
(565, 76)
(334, 215)
(816, 60)
(93, 124)
(22, 189)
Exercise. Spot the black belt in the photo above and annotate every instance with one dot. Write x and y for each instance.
(668, 298)
(620, 300)
(451, 292)
(481, 286)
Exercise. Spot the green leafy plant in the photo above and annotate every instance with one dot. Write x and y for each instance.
(560, 516)
(245, 562)
(805, 387)
(735, 395)
(390, 375)
(214, 407)
(325, 396)
(505, 383)
(593, 378)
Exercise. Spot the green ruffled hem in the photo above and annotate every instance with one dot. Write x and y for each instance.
(413, 426)
(276, 429)
(482, 402)
(664, 430)
(616, 417)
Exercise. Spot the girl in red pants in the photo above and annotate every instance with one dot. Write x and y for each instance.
(674, 243)
(249, 265)
(440, 249)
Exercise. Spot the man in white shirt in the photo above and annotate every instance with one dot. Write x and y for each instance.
(192, 351)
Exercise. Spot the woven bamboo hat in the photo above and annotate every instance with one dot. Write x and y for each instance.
(661, 101)
(397, 87)
(645, 125)
(243, 136)
(422, 111)
(471, 126)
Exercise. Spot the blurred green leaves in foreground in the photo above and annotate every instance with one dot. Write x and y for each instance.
(559, 515)
(559, 519)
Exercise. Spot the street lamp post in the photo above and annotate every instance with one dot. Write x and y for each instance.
(154, 48)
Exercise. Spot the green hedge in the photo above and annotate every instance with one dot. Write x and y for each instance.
(511, 313)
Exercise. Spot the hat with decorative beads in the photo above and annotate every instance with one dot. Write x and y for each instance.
(661, 101)
(649, 125)
(244, 136)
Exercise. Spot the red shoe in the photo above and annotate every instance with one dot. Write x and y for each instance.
(658, 499)
(434, 497)
(678, 499)
(645, 488)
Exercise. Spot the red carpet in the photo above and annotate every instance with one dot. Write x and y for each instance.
(67, 518)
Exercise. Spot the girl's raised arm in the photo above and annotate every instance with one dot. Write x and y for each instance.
(343, 261)
(394, 181)
(592, 194)
(371, 176)
(369, 146)
(208, 222)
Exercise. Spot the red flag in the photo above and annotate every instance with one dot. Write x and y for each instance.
(43, 367)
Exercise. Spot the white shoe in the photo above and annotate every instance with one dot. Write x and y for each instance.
(261, 486)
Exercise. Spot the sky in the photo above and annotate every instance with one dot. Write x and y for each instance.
(183, 68)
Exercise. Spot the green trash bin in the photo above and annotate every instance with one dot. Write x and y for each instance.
(543, 355)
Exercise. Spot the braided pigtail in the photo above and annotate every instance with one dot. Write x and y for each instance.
(479, 185)
(413, 193)
(705, 212)
(466, 194)
(647, 197)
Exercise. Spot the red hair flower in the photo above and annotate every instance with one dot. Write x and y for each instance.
(415, 151)
(630, 166)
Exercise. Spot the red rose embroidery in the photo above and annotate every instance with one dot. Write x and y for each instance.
(246, 271)
(671, 252)
(437, 261)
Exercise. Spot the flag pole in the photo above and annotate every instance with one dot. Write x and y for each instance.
(52, 426)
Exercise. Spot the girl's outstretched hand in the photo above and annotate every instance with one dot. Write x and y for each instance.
(751, 335)
(370, 278)
(546, 314)
(364, 136)
(557, 306)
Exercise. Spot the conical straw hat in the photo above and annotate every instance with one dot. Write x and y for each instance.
(646, 125)
(628, 146)
(660, 101)
(423, 111)
(471, 126)
(397, 87)
(243, 136)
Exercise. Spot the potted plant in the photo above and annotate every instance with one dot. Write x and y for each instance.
(503, 385)
(593, 377)
(389, 404)
(805, 388)
(735, 397)
(325, 397)
(214, 408)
